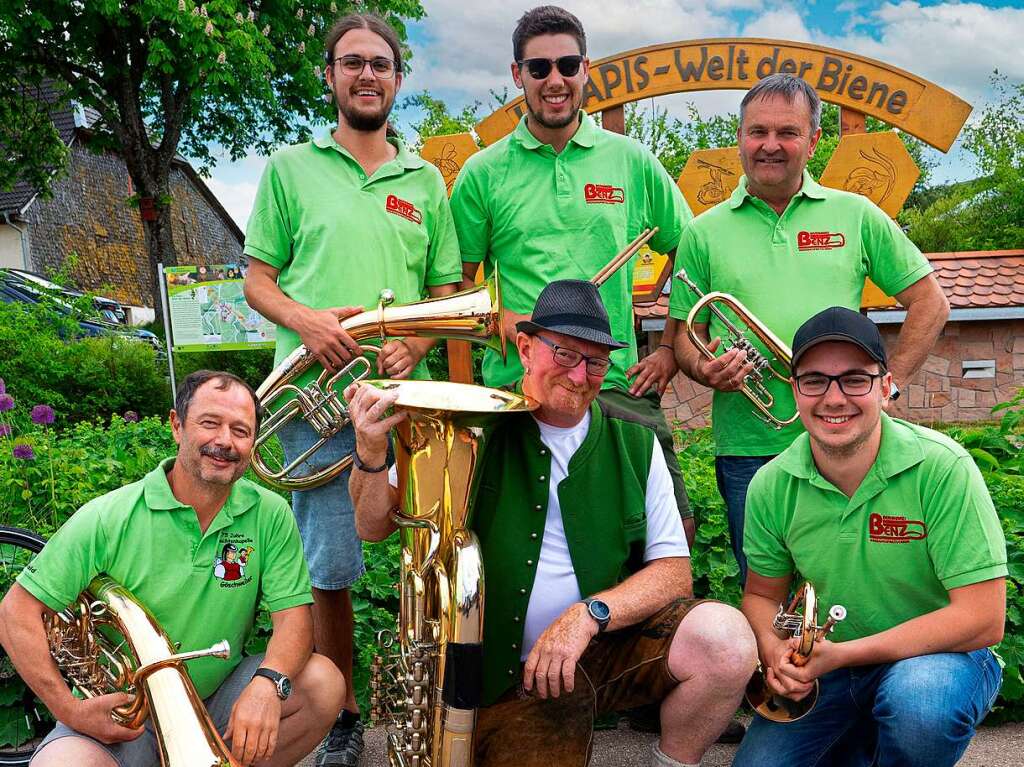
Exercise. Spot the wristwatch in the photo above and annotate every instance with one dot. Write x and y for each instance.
(281, 682)
(599, 611)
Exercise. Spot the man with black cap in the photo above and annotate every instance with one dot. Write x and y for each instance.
(589, 603)
(894, 522)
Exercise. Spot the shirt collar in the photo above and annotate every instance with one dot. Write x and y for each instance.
(584, 136)
(808, 188)
(405, 159)
(158, 495)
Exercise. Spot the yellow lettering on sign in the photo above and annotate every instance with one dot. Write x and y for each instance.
(899, 98)
(449, 154)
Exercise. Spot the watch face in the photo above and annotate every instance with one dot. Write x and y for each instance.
(600, 610)
(285, 686)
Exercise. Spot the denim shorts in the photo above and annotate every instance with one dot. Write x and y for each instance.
(143, 751)
(324, 515)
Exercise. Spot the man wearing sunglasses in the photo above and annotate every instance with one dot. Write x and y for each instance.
(589, 606)
(894, 522)
(557, 199)
(335, 221)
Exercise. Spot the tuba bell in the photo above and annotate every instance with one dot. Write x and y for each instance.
(82, 643)
(777, 365)
(804, 626)
(469, 315)
(425, 683)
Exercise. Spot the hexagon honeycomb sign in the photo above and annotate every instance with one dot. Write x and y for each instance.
(709, 177)
(449, 154)
(876, 165)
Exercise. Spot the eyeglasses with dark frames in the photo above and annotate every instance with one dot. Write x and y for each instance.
(850, 384)
(353, 66)
(570, 358)
(539, 69)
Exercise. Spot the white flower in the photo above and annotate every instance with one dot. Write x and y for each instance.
(252, 15)
(299, 13)
(202, 12)
(209, 28)
(239, 17)
(266, 30)
(302, 47)
(181, 5)
(222, 57)
(311, 31)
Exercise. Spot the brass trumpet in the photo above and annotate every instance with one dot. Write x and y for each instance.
(803, 626)
(470, 315)
(754, 385)
(143, 664)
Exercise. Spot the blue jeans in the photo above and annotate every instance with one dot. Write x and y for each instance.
(918, 711)
(734, 473)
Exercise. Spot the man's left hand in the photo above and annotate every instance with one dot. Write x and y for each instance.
(827, 656)
(551, 663)
(653, 372)
(254, 722)
(396, 359)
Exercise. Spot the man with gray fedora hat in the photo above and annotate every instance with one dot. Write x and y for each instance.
(589, 604)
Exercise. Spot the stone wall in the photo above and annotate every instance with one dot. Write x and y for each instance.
(89, 216)
(939, 392)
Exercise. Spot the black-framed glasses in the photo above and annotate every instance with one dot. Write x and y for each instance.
(539, 69)
(570, 358)
(353, 66)
(850, 384)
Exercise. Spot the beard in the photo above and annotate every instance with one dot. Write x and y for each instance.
(366, 122)
(554, 124)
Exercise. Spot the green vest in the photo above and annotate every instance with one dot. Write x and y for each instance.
(603, 504)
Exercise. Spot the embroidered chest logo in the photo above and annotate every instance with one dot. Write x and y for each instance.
(820, 240)
(603, 194)
(883, 529)
(403, 208)
(236, 554)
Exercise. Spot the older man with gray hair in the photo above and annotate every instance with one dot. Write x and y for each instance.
(787, 247)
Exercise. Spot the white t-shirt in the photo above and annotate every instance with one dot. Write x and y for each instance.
(555, 587)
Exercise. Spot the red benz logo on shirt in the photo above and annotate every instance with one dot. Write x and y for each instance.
(895, 529)
(820, 240)
(404, 209)
(603, 193)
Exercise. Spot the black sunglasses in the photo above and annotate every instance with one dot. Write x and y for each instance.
(539, 69)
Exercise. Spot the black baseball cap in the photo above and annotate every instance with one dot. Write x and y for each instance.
(573, 308)
(837, 323)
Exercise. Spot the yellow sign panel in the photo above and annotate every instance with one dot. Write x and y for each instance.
(650, 270)
(899, 98)
(449, 154)
(876, 165)
(873, 297)
(709, 177)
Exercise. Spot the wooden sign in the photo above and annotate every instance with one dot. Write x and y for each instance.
(876, 165)
(899, 98)
(709, 177)
(449, 154)
(650, 270)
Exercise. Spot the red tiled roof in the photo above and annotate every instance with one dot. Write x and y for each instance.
(970, 279)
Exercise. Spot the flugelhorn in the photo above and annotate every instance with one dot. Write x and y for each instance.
(803, 626)
(754, 385)
(426, 682)
(144, 664)
(470, 315)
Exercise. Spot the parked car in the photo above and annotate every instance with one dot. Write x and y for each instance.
(17, 285)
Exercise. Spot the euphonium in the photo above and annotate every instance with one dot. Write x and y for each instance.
(82, 644)
(804, 626)
(426, 688)
(470, 315)
(754, 387)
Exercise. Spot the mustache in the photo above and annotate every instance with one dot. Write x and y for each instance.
(220, 453)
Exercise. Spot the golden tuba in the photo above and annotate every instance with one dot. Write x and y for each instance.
(425, 683)
(803, 626)
(754, 387)
(82, 644)
(470, 315)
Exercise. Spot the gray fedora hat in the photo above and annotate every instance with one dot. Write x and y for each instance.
(572, 308)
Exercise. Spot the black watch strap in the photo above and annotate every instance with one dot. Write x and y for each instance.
(281, 682)
(368, 469)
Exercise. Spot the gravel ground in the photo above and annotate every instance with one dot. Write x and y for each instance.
(1001, 746)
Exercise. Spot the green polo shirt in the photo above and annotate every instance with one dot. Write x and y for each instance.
(338, 237)
(539, 216)
(150, 543)
(785, 269)
(921, 523)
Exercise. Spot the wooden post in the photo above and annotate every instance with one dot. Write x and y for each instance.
(614, 119)
(851, 122)
(460, 362)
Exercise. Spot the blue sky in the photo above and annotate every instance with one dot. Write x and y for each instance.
(461, 51)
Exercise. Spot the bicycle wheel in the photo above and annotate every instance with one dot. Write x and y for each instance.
(23, 718)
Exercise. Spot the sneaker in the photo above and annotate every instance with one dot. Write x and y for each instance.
(342, 746)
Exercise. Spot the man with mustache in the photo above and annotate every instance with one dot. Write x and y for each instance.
(894, 522)
(159, 538)
(557, 199)
(335, 221)
(589, 606)
(786, 247)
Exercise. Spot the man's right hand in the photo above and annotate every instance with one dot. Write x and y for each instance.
(93, 717)
(725, 373)
(777, 654)
(321, 333)
(367, 407)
